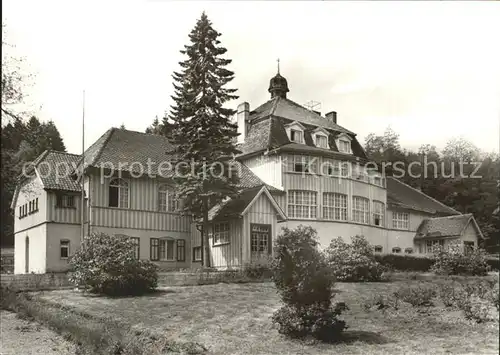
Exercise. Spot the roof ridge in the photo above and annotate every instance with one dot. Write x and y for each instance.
(275, 104)
(420, 192)
(99, 152)
(468, 215)
(60, 152)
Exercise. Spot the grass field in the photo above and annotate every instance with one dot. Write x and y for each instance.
(235, 319)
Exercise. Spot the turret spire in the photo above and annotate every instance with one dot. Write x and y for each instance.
(278, 86)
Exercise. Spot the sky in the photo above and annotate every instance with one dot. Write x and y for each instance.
(429, 70)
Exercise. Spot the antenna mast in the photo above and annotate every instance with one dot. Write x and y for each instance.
(313, 105)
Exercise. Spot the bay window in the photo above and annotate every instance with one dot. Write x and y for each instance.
(361, 209)
(302, 204)
(334, 206)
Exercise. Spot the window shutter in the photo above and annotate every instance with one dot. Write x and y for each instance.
(153, 249)
(181, 250)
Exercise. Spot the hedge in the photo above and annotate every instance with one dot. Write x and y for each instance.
(404, 262)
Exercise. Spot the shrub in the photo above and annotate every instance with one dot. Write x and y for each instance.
(475, 299)
(106, 265)
(405, 262)
(305, 284)
(417, 295)
(453, 261)
(353, 262)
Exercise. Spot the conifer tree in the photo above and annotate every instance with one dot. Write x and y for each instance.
(201, 131)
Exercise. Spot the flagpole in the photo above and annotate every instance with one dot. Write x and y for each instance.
(83, 171)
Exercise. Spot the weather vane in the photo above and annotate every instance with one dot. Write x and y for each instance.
(278, 65)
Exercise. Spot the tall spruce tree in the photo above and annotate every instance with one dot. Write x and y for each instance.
(201, 131)
(21, 142)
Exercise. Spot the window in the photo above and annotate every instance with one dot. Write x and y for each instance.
(136, 243)
(378, 213)
(301, 164)
(344, 146)
(361, 209)
(197, 254)
(344, 169)
(468, 247)
(65, 201)
(118, 193)
(30, 207)
(259, 242)
(396, 250)
(296, 136)
(321, 141)
(409, 250)
(331, 167)
(400, 220)
(153, 249)
(220, 233)
(64, 249)
(334, 206)
(378, 248)
(36, 204)
(302, 204)
(167, 201)
(167, 249)
(181, 250)
(432, 245)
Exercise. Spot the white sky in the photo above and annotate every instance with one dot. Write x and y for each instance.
(430, 70)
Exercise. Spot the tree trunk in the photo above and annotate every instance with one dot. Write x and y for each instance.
(204, 236)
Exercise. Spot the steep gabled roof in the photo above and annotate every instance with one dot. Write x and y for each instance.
(131, 151)
(53, 169)
(404, 196)
(55, 172)
(450, 226)
(237, 207)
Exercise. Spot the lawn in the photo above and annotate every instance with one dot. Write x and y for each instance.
(234, 319)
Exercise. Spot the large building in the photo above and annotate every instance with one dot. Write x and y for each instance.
(296, 167)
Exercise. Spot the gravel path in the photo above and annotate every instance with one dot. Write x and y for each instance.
(18, 336)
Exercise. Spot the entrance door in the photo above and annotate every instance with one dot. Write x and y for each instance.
(260, 242)
(27, 256)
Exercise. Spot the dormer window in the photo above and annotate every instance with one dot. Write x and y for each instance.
(320, 138)
(344, 146)
(321, 141)
(344, 143)
(295, 132)
(296, 136)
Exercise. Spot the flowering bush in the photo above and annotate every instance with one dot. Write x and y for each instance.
(304, 282)
(417, 295)
(453, 261)
(477, 299)
(106, 264)
(353, 262)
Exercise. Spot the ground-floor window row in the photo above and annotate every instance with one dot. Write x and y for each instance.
(167, 249)
(303, 204)
(394, 250)
(430, 246)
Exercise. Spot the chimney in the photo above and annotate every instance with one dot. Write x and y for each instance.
(316, 112)
(242, 115)
(332, 116)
